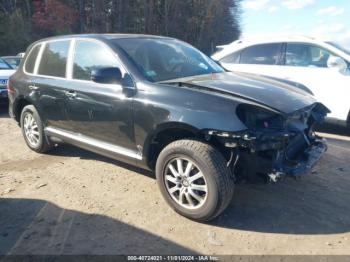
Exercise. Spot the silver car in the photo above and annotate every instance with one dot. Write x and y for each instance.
(5, 72)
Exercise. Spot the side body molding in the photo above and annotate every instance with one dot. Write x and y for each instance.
(91, 144)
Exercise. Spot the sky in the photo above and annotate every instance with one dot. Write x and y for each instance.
(326, 19)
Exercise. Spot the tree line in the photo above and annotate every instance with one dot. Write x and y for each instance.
(203, 23)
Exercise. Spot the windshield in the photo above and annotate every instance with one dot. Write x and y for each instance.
(4, 65)
(166, 59)
(338, 46)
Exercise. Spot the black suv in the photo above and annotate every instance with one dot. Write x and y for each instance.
(160, 104)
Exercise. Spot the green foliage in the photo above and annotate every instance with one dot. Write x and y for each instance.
(14, 33)
(203, 23)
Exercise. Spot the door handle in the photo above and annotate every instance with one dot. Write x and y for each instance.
(70, 94)
(32, 87)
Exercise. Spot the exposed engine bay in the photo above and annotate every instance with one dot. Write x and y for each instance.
(274, 145)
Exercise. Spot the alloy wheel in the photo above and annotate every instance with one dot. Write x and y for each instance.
(185, 183)
(31, 130)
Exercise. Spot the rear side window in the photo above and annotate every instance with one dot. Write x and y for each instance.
(265, 54)
(91, 55)
(232, 58)
(54, 59)
(30, 62)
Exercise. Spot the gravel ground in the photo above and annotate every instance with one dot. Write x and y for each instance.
(75, 202)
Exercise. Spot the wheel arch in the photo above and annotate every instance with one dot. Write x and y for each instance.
(163, 135)
(167, 133)
(18, 107)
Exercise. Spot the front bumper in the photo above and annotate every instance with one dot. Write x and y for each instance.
(274, 154)
(305, 161)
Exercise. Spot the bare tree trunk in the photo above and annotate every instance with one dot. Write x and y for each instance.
(209, 8)
(82, 15)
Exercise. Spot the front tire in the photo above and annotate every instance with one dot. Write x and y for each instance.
(194, 179)
(33, 130)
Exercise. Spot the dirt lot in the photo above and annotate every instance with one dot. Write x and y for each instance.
(75, 202)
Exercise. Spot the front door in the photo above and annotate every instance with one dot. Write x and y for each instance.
(98, 111)
(307, 64)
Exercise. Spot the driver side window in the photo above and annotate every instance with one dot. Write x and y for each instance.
(90, 55)
(305, 55)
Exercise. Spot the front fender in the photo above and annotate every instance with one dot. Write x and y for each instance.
(160, 107)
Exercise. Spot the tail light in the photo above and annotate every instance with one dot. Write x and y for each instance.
(9, 87)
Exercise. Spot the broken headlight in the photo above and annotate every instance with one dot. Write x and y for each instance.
(255, 117)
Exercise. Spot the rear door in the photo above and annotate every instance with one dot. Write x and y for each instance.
(49, 83)
(261, 59)
(99, 111)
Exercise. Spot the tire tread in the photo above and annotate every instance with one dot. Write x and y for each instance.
(215, 161)
(45, 145)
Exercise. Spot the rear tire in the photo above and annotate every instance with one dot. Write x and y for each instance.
(33, 130)
(194, 179)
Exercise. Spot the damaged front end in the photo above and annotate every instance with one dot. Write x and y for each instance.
(274, 145)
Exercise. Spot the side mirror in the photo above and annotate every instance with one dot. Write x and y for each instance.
(337, 63)
(106, 75)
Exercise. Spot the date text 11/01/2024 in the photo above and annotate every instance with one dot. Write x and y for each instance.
(172, 258)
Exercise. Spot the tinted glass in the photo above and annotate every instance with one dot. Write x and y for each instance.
(54, 59)
(89, 56)
(232, 58)
(266, 54)
(4, 65)
(166, 59)
(306, 55)
(30, 62)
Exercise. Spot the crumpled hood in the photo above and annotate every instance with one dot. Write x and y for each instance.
(266, 91)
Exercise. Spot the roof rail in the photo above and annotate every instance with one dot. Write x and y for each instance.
(274, 37)
(263, 38)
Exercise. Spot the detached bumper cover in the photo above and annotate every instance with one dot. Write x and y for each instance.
(274, 145)
(276, 154)
(304, 163)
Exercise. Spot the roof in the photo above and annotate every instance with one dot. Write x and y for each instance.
(104, 36)
(272, 39)
(277, 38)
(242, 43)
